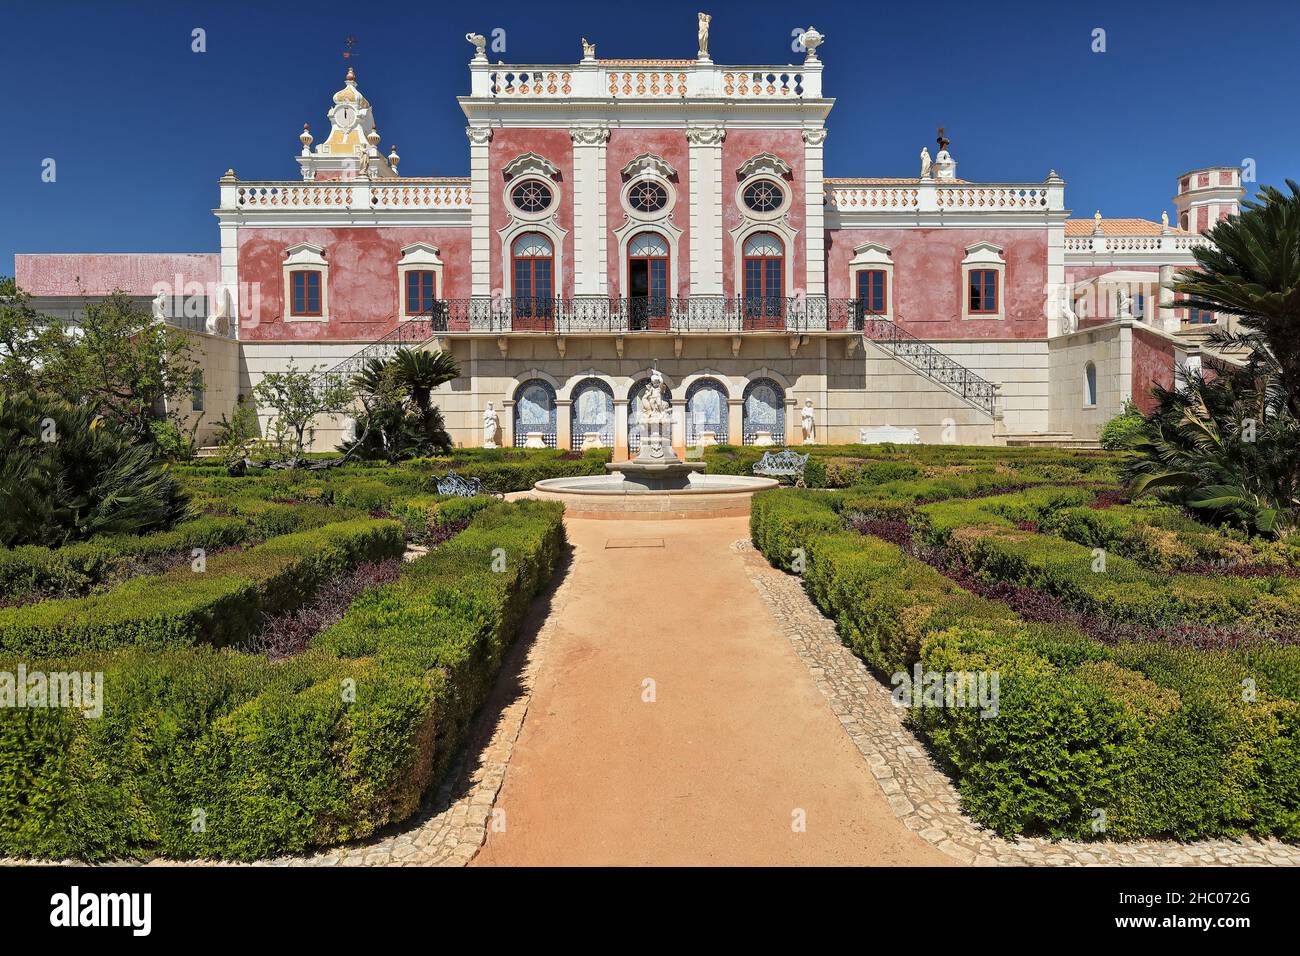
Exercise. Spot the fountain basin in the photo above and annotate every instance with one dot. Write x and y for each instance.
(614, 496)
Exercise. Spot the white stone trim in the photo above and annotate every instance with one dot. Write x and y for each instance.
(984, 255)
(872, 257)
(591, 257)
(706, 208)
(530, 164)
(550, 228)
(480, 209)
(418, 257)
(306, 257)
(764, 164)
(634, 227)
(747, 228)
(815, 211)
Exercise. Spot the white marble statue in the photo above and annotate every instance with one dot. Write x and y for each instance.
(809, 423)
(588, 50)
(490, 424)
(654, 416)
(480, 45)
(1125, 304)
(925, 162)
(704, 36)
(158, 309)
(1069, 318)
(1164, 220)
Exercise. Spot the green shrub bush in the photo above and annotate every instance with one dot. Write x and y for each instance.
(224, 604)
(285, 756)
(503, 470)
(1164, 741)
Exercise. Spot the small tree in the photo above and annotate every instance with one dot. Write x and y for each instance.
(298, 397)
(118, 361)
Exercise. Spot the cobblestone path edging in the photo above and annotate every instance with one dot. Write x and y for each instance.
(921, 795)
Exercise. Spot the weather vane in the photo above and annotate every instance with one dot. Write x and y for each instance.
(350, 42)
(942, 140)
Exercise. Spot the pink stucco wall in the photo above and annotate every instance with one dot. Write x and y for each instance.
(928, 287)
(555, 145)
(136, 273)
(363, 279)
(740, 145)
(671, 146)
(1153, 364)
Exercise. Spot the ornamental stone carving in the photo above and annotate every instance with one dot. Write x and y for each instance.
(763, 164)
(703, 36)
(810, 39)
(480, 45)
(815, 136)
(531, 164)
(479, 135)
(589, 135)
(705, 135)
(649, 163)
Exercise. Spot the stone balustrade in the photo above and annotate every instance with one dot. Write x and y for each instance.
(1110, 245)
(935, 196)
(664, 80)
(351, 194)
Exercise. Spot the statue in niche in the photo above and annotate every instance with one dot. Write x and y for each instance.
(490, 424)
(809, 423)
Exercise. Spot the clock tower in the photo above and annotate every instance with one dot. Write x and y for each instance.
(351, 150)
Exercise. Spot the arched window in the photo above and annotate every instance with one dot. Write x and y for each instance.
(535, 412)
(634, 414)
(706, 411)
(764, 411)
(591, 412)
(1090, 384)
(763, 277)
(647, 279)
(532, 270)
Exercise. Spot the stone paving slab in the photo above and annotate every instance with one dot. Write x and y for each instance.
(919, 793)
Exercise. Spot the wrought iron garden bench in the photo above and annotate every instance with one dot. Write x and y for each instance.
(454, 485)
(782, 464)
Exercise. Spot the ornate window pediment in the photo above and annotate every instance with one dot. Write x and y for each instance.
(871, 254)
(530, 164)
(984, 253)
(420, 254)
(764, 164)
(304, 253)
(649, 163)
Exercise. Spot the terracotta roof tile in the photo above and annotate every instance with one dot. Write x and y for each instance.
(1119, 227)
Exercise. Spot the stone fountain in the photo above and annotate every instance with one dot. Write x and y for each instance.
(656, 467)
(656, 483)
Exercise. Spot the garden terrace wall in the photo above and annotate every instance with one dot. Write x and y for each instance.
(285, 756)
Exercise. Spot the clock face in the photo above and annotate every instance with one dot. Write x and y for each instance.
(345, 116)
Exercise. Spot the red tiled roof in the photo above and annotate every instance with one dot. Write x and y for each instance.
(1119, 227)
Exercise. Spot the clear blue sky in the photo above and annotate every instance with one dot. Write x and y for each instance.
(141, 127)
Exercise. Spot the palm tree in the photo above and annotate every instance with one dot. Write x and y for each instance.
(422, 372)
(1252, 271)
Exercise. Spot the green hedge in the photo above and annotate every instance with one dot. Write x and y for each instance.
(1164, 741)
(503, 470)
(278, 757)
(224, 604)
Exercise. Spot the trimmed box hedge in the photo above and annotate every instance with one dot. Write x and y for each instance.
(286, 756)
(224, 604)
(1142, 740)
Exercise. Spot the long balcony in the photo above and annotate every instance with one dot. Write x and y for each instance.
(596, 315)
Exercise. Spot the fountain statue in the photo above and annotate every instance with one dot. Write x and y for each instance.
(655, 413)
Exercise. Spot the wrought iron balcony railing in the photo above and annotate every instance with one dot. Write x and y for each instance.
(672, 315)
(595, 314)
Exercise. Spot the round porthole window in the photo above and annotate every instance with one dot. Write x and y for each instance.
(647, 197)
(531, 196)
(764, 196)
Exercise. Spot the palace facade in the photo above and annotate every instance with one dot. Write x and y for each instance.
(620, 215)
